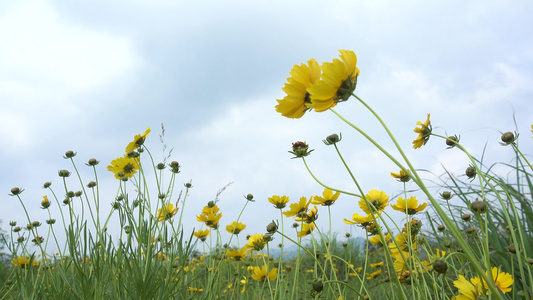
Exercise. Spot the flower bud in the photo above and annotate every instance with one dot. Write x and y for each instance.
(47, 184)
(133, 154)
(300, 149)
(530, 261)
(16, 191)
(20, 239)
(512, 249)
(332, 139)
(92, 162)
(249, 197)
(17, 229)
(69, 154)
(188, 185)
(51, 221)
(211, 204)
(13, 223)
(318, 286)
(441, 227)
(470, 172)
(78, 194)
(63, 173)
(347, 234)
(446, 195)
(91, 184)
(267, 237)
(66, 201)
(115, 205)
(451, 141)
(272, 227)
(295, 225)
(70, 194)
(447, 244)
(466, 217)
(160, 166)
(344, 244)
(36, 223)
(508, 138)
(479, 207)
(45, 203)
(440, 266)
(470, 230)
(174, 167)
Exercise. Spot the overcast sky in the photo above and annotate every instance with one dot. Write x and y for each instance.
(89, 75)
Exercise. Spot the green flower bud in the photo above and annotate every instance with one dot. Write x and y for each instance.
(16, 191)
(300, 149)
(63, 173)
(272, 227)
(47, 184)
(446, 195)
(318, 286)
(479, 207)
(69, 154)
(440, 266)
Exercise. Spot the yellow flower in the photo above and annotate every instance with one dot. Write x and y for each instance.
(306, 229)
(255, 243)
(360, 220)
(327, 199)
(310, 216)
(295, 104)
(138, 140)
(24, 262)
(298, 209)
(377, 198)
(373, 275)
(379, 264)
(469, 290)
(376, 239)
(501, 279)
(237, 254)
(45, 203)
(166, 212)
(202, 234)
(125, 166)
(210, 216)
(235, 228)
(409, 206)
(193, 289)
(402, 176)
(423, 133)
(244, 281)
(337, 83)
(260, 274)
(279, 202)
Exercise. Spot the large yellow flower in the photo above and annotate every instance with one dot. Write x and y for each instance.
(409, 206)
(298, 209)
(138, 140)
(306, 229)
(376, 239)
(423, 133)
(237, 254)
(279, 202)
(377, 198)
(360, 220)
(327, 199)
(125, 166)
(202, 234)
(260, 274)
(470, 290)
(24, 262)
(255, 243)
(295, 104)
(337, 83)
(501, 279)
(166, 212)
(235, 228)
(210, 216)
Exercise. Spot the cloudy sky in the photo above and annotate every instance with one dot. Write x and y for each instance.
(89, 75)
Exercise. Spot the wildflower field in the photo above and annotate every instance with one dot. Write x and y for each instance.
(469, 236)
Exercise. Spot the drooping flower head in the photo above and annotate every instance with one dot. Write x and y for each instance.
(327, 199)
(202, 234)
(295, 103)
(424, 131)
(408, 205)
(235, 228)
(376, 198)
(337, 83)
(279, 202)
(306, 229)
(125, 166)
(166, 212)
(260, 274)
(138, 140)
(402, 176)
